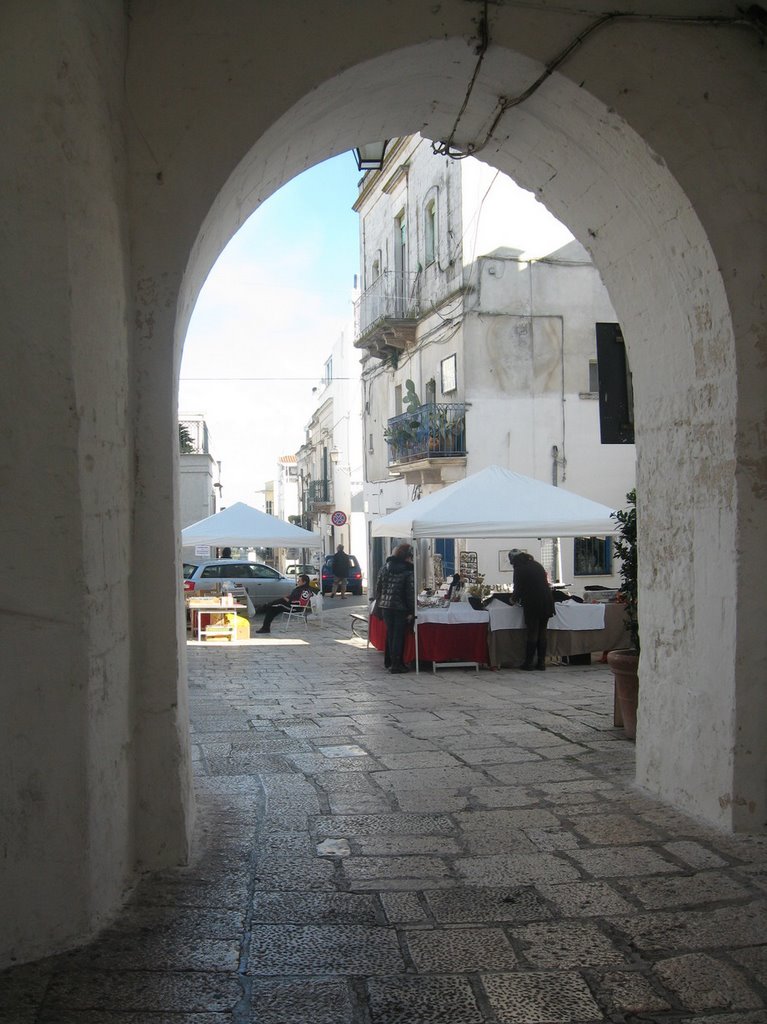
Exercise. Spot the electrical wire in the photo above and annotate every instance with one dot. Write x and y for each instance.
(187, 379)
(753, 17)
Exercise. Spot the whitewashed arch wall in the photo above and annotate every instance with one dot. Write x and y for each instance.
(134, 147)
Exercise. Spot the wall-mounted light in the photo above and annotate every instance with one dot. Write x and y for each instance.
(335, 454)
(370, 157)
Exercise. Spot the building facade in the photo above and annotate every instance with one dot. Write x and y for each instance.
(199, 475)
(479, 347)
(329, 463)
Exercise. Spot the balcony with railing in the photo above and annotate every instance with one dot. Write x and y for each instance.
(429, 435)
(386, 314)
(319, 494)
(193, 437)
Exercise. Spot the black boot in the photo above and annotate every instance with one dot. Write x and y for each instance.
(541, 663)
(529, 655)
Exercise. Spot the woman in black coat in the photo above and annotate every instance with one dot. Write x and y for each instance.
(532, 591)
(395, 599)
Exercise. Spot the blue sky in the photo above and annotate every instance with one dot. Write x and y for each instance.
(272, 307)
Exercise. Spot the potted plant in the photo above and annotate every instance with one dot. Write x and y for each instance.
(625, 663)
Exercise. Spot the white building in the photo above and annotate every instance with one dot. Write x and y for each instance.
(477, 326)
(287, 488)
(330, 462)
(199, 475)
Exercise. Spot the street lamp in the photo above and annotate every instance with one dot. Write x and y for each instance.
(370, 157)
(335, 454)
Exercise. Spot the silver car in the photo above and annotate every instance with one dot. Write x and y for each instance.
(263, 583)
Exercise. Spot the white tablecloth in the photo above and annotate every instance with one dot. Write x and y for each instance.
(453, 615)
(569, 615)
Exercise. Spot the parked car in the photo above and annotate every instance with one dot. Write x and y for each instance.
(302, 568)
(263, 583)
(353, 581)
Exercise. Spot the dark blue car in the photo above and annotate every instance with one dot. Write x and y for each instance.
(353, 580)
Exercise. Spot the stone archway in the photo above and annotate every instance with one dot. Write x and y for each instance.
(596, 174)
(136, 146)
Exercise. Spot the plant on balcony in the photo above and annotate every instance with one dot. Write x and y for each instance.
(185, 440)
(400, 437)
(410, 399)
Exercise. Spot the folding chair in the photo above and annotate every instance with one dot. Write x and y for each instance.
(299, 610)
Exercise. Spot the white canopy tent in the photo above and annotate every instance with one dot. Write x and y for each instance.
(240, 525)
(496, 503)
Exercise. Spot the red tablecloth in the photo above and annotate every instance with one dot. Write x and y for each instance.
(439, 642)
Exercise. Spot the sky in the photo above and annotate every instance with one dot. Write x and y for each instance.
(265, 322)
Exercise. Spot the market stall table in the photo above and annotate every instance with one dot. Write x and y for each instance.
(450, 637)
(575, 629)
(208, 609)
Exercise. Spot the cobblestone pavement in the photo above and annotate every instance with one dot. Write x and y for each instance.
(456, 848)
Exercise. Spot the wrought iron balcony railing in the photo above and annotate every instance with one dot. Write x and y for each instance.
(392, 296)
(319, 492)
(435, 431)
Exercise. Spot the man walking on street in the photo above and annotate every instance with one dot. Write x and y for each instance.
(341, 566)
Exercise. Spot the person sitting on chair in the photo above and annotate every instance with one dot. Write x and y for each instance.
(302, 594)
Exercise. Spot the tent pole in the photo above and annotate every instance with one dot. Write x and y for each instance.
(415, 606)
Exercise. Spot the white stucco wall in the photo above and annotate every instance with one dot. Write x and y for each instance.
(111, 220)
(65, 727)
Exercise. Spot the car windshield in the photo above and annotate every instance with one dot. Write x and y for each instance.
(189, 569)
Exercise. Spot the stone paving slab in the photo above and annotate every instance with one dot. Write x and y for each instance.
(467, 848)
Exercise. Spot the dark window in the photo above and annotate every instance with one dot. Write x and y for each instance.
(211, 572)
(593, 556)
(263, 572)
(616, 398)
(445, 548)
(239, 571)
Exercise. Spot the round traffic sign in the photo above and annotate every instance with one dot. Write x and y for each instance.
(338, 519)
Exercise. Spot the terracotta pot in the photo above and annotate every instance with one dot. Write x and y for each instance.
(625, 669)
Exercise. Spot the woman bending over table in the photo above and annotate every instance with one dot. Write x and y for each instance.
(532, 591)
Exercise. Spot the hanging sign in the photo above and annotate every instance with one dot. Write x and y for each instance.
(338, 519)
